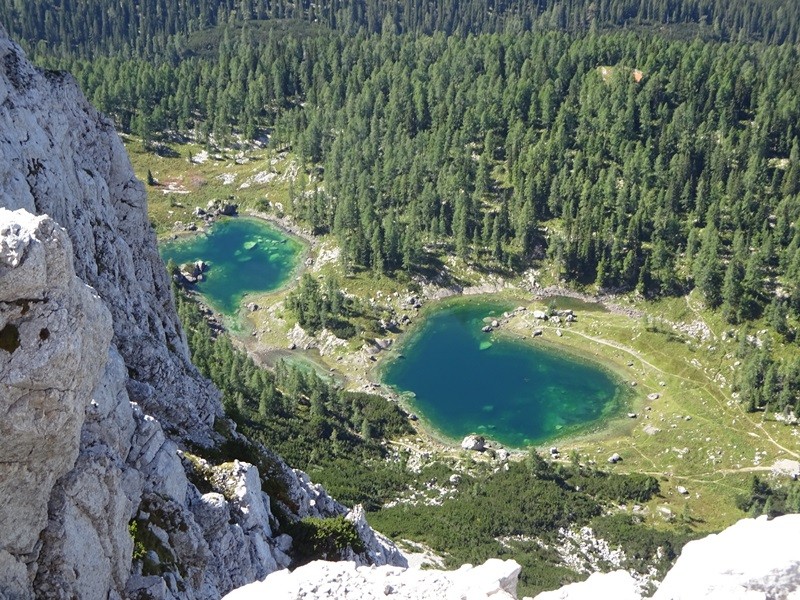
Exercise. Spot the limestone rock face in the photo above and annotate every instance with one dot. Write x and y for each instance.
(753, 559)
(495, 579)
(61, 158)
(380, 550)
(99, 403)
(54, 338)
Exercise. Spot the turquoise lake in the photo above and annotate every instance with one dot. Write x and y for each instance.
(466, 381)
(243, 255)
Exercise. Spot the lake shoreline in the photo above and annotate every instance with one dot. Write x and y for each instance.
(232, 308)
(503, 292)
(502, 309)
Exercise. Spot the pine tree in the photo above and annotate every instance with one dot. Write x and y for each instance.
(707, 271)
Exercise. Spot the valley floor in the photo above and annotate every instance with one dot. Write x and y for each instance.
(685, 425)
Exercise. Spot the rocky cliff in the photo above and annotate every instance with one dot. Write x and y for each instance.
(104, 422)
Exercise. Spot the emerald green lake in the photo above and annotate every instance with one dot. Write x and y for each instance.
(243, 255)
(466, 381)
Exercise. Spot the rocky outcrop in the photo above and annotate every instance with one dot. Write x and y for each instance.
(54, 339)
(103, 418)
(495, 579)
(753, 559)
(61, 158)
(380, 550)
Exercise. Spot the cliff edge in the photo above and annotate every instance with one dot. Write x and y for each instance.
(107, 431)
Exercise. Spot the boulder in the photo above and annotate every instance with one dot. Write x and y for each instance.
(221, 207)
(540, 315)
(614, 458)
(476, 443)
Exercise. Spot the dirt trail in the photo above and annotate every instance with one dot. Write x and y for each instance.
(743, 414)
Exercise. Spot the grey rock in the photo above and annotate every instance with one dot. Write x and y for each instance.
(48, 369)
(62, 158)
(475, 443)
(380, 550)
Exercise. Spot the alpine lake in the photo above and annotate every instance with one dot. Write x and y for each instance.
(244, 255)
(459, 379)
(462, 380)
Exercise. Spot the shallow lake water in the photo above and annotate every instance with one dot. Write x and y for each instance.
(466, 381)
(244, 255)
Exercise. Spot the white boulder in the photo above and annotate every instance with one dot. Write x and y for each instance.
(476, 443)
(753, 559)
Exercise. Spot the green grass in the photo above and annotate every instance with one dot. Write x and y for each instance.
(181, 185)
